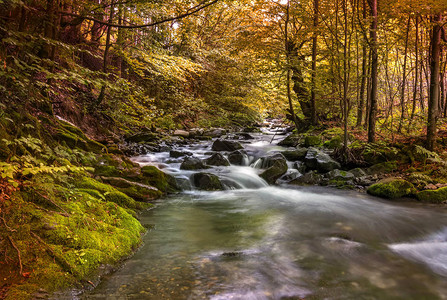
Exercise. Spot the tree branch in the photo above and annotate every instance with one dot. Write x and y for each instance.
(189, 12)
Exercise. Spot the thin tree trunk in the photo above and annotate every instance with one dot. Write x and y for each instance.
(313, 118)
(404, 78)
(106, 54)
(364, 75)
(374, 66)
(434, 83)
(345, 78)
(287, 47)
(413, 110)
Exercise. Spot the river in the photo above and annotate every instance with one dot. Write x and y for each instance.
(280, 242)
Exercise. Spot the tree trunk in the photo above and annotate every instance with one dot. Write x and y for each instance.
(435, 46)
(416, 68)
(374, 66)
(288, 50)
(364, 76)
(313, 118)
(404, 79)
(106, 54)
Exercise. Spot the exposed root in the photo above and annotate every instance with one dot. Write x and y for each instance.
(18, 253)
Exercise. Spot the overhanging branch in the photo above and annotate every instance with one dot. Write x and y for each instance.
(189, 12)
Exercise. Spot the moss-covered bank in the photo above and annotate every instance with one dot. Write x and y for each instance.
(65, 209)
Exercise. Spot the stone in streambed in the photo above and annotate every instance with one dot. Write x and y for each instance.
(294, 155)
(217, 159)
(225, 145)
(318, 160)
(206, 182)
(276, 167)
(192, 163)
(238, 157)
(177, 154)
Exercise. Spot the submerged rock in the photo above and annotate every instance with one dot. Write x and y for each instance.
(206, 182)
(276, 167)
(392, 188)
(217, 159)
(318, 160)
(225, 145)
(192, 163)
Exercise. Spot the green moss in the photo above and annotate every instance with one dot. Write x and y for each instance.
(108, 171)
(382, 168)
(312, 140)
(392, 188)
(123, 200)
(154, 177)
(90, 183)
(69, 241)
(433, 196)
(335, 142)
(141, 193)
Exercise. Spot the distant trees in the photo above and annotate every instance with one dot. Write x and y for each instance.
(358, 63)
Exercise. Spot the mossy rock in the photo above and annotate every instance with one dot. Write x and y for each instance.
(312, 141)
(123, 200)
(152, 176)
(334, 143)
(136, 190)
(290, 141)
(382, 168)
(433, 196)
(392, 188)
(108, 171)
(110, 193)
(73, 137)
(207, 182)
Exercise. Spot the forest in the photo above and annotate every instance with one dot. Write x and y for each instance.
(86, 86)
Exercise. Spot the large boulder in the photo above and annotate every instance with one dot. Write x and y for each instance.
(318, 160)
(290, 141)
(238, 157)
(433, 196)
(206, 182)
(275, 165)
(192, 163)
(217, 159)
(294, 155)
(392, 188)
(225, 145)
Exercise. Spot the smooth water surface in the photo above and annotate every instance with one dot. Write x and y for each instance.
(282, 242)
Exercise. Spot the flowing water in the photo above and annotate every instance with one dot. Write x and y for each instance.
(254, 241)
